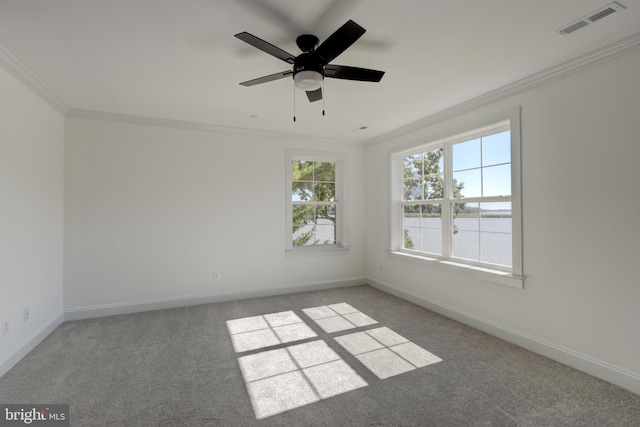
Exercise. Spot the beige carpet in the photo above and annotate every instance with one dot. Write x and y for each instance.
(343, 357)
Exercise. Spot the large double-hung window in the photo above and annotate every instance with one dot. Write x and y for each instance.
(457, 200)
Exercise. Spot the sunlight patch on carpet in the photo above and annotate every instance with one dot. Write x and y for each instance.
(338, 317)
(289, 377)
(386, 353)
(252, 333)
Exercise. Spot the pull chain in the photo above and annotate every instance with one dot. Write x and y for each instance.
(323, 95)
(294, 103)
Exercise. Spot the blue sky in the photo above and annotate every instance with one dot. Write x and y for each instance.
(483, 165)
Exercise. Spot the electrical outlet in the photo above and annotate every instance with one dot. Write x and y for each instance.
(4, 328)
(25, 314)
(217, 275)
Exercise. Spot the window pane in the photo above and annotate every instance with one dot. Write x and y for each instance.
(466, 216)
(325, 171)
(303, 236)
(482, 234)
(325, 233)
(496, 248)
(431, 224)
(433, 162)
(432, 241)
(495, 238)
(413, 189)
(326, 213)
(495, 217)
(411, 227)
(303, 214)
(434, 187)
(325, 192)
(301, 191)
(467, 223)
(413, 166)
(433, 174)
(466, 244)
(431, 216)
(314, 225)
(411, 238)
(496, 181)
(423, 175)
(466, 155)
(302, 170)
(467, 183)
(411, 216)
(496, 149)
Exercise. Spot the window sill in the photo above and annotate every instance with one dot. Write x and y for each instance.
(305, 251)
(480, 273)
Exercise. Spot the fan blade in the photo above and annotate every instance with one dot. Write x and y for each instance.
(269, 78)
(352, 73)
(314, 95)
(266, 47)
(337, 43)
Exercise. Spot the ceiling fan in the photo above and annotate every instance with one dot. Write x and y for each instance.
(313, 64)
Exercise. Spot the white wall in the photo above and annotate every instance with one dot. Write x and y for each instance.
(31, 218)
(152, 211)
(581, 176)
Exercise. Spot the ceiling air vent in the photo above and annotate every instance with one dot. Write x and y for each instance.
(591, 18)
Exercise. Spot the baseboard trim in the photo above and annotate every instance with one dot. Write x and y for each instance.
(30, 343)
(590, 365)
(90, 312)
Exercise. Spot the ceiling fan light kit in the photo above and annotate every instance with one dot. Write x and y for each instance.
(313, 64)
(308, 80)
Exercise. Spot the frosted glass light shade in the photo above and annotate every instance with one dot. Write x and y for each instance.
(308, 80)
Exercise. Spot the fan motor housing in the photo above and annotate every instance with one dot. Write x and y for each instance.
(302, 63)
(307, 42)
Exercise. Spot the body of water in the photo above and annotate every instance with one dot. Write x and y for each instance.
(478, 239)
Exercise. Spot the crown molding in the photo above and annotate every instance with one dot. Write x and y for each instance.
(197, 126)
(567, 68)
(14, 67)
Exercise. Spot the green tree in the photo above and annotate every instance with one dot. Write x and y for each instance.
(424, 180)
(408, 241)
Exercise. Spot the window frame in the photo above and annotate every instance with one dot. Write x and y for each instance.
(340, 160)
(483, 126)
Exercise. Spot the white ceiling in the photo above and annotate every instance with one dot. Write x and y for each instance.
(178, 60)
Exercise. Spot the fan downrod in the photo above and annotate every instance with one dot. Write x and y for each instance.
(307, 42)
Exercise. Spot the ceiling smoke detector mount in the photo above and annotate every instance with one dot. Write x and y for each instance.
(591, 18)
